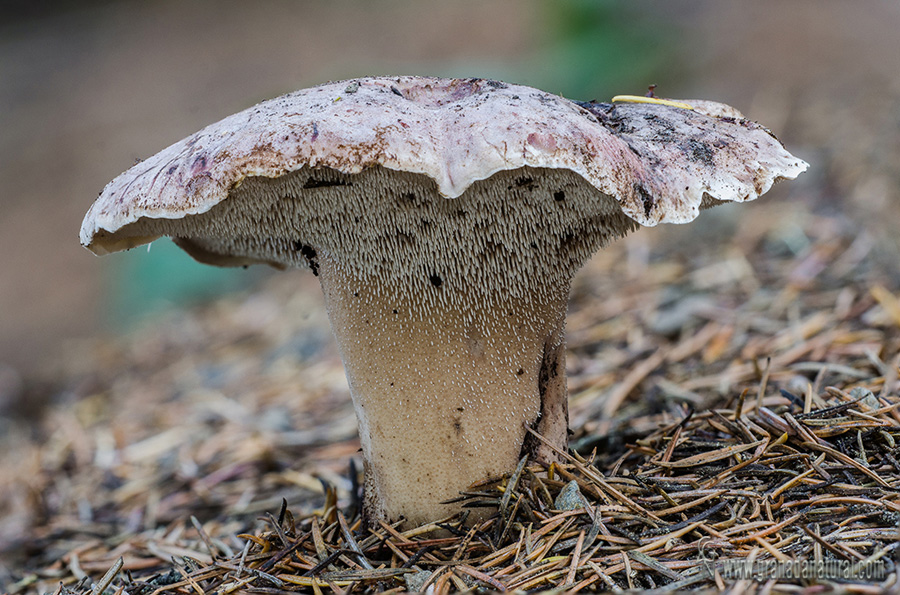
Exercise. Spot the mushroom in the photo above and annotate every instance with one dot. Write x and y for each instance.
(445, 219)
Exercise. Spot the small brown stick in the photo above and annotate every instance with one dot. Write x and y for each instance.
(739, 408)
(576, 554)
(351, 542)
(318, 541)
(110, 575)
(790, 483)
(670, 448)
(511, 485)
(485, 578)
(773, 529)
(848, 461)
(762, 385)
(711, 456)
(818, 539)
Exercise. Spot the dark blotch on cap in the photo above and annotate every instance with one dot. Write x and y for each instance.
(700, 151)
(646, 198)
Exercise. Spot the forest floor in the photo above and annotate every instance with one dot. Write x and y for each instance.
(734, 395)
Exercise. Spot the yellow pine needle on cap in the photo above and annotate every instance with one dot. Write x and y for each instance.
(656, 100)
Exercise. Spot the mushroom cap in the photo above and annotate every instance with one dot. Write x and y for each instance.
(660, 163)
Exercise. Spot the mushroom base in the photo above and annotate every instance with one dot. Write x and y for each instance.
(444, 387)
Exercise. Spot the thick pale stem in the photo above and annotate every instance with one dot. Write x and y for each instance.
(444, 386)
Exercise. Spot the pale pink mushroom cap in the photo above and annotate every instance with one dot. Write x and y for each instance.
(660, 163)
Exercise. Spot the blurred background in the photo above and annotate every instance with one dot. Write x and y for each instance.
(87, 88)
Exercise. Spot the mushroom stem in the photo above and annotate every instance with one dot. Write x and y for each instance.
(444, 386)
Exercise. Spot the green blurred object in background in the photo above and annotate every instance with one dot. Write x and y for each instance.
(148, 280)
(600, 48)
